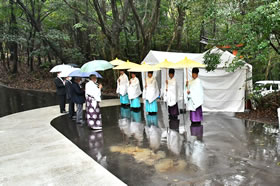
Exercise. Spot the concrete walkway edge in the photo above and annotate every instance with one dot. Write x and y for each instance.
(32, 152)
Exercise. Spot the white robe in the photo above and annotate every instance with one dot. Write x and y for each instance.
(134, 89)
(122, 86)
(137, 130)
(151, 92)
(195, 98)
(153, 133)
(124, 125)
(93, 91)
(174, 141)
(170, 96)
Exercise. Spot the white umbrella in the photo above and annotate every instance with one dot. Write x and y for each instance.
(60, 68)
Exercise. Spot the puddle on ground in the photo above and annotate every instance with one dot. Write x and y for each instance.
(143, 149)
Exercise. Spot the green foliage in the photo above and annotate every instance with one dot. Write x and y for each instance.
(74, 29)
(235, 64)
(212, 60)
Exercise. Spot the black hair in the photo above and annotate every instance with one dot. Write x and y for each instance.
(171, 71)
(195, 70)
(150, 72)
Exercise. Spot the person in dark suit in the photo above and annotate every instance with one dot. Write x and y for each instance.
(60, 92)
(69, 92)
(78, 97)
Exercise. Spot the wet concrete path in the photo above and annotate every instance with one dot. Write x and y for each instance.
(145, 149)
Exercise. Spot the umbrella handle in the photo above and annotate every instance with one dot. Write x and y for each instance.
(187, 78)
(166, 79)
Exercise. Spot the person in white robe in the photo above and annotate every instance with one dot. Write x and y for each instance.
(151, 94)
(93, 98)
(153, 132)
(174, 138)
(134, 91)
(122, 86)
(137, 127)
(170, 95)
(194, 97)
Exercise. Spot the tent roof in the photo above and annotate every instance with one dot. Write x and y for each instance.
(155, 57)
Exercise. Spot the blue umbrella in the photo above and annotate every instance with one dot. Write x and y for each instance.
(95, 73)
(79, 73)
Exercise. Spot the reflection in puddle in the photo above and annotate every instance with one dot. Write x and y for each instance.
(145, 149)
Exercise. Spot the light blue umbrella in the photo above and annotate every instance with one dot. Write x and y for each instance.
(96, 65)
(79, 73)
(95, 73)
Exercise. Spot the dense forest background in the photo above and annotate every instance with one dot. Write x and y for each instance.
(37, 34)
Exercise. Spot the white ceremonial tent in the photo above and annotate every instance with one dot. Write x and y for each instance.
(223, 91)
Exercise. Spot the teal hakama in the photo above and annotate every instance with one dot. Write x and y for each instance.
(124, 99)
(151, 107)
(152, 120)
(135, 103)
(125, 112)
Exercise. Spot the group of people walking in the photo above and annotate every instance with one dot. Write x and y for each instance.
(72, 90)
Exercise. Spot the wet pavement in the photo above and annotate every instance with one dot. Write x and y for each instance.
(145, 149)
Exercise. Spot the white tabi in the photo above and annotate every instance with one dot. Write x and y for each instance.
(195, 98)
(122, 85)
(170, 95)
(134, 89)
(151, 92)
(93, 97)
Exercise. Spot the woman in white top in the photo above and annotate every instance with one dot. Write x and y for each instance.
(122, 86)
(134, 91)
(171, 95)
(93, 97)
(151, 94)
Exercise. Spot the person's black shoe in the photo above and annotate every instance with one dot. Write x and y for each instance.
(63, 112)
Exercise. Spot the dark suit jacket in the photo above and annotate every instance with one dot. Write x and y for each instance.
(60, 88)
(78, 95)
(69, 89)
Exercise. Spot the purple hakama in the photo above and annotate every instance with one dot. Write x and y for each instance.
(93, 114)
(173, 110)
(196, 116)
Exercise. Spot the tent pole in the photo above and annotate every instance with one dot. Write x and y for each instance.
(166, 79)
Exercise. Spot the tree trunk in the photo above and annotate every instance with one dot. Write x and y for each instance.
(201, 47)
(181, 19)
(2, 55)
(13, 45)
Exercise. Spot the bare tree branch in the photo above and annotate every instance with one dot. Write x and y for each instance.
(274, 47)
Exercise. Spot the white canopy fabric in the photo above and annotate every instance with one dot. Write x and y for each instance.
(223, 91)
